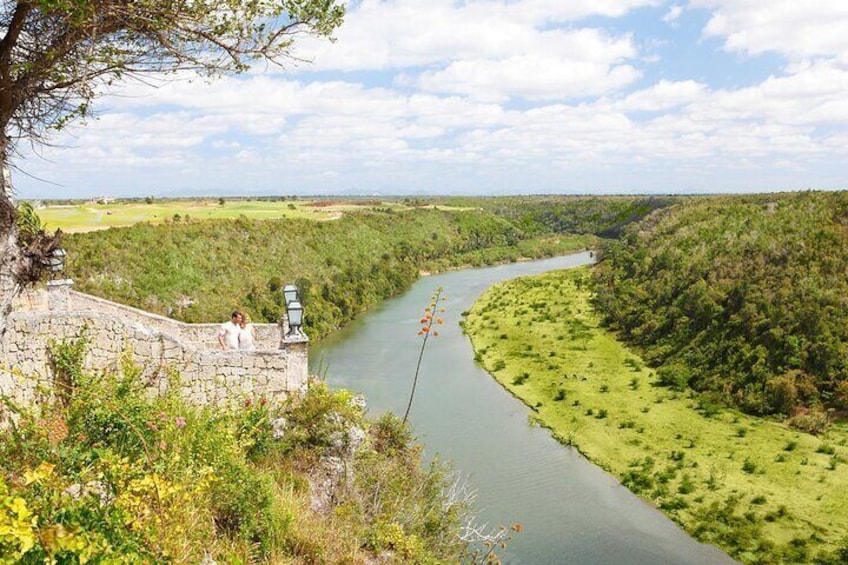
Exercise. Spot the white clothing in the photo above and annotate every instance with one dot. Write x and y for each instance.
(230, 332)
(245, 337)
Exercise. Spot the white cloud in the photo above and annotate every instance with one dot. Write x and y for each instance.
(488, 48)
(789, 27)
(392, 34)
(485, 95)
(532, 78)
(665, 95)
(815, 95)
(673, 14)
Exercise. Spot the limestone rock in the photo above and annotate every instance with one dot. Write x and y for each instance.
(278, 428)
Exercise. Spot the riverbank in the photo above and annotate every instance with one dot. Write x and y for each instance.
(756, 488)
(532, 249)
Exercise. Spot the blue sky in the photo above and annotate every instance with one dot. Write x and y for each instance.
(492, 97)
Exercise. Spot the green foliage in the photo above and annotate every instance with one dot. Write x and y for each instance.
(342, 267)
(120, 476)
(656, 441)
(390, 433)
(825, 448)
(59, 54)
(30, 226)
(739, 296)
(66, 359)
(749, 466)
(602, 216)
(723, 525)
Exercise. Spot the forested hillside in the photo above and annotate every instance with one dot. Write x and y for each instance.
(603, 216)
(745, 298)
(200, 270)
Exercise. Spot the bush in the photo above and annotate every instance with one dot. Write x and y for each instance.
(812, 421)
(674, 376)
(118, 476)
(826, 448)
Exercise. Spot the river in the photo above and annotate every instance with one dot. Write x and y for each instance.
(571, 511)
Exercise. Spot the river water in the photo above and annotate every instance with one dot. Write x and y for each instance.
(571, 511)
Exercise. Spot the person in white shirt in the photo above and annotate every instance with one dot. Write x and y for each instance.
(228, 334)
(247, 333)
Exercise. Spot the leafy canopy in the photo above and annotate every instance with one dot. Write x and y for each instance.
(57, 55)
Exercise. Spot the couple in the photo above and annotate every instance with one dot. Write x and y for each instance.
(238, 333)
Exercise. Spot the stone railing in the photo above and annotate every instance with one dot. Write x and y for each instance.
(169, 353)
(203, 336)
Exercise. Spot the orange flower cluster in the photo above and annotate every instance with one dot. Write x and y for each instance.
(429, 320)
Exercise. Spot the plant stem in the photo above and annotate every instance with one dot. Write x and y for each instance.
(433, 310)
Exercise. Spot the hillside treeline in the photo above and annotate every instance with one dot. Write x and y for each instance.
(744, 298)
(200, 271)
(604, 216)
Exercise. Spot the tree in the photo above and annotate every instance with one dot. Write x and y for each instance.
(56, 57)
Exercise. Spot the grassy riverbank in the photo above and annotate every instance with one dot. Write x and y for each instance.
(761, 491)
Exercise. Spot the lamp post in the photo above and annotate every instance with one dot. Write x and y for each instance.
(291, 294)
(58, 290)
(56, 261)
(294, 309)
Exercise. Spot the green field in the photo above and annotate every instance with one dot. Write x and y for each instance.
(73, 218)
(760, 490)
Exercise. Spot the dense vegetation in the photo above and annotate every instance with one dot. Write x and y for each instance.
(200, 270)
(743, 298)
(104, 474)
(760, 490)
(603, 216)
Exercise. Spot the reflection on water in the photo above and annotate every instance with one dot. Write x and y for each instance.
(572, 511)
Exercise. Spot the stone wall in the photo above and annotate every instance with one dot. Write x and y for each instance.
(162, 347)
(268, 336)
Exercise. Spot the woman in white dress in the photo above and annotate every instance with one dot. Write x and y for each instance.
(247, 333)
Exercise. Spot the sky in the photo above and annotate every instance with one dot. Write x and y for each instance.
(491, 97)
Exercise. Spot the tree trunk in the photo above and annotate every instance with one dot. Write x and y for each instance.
(11, 255)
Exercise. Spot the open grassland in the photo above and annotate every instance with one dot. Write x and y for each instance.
(75, 218)
(760, 490)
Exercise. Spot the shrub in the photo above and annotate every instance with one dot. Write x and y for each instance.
(389, 434)
(674, 376)
(686, 486)
(182, 481)
(826, 448)
(520, 379)
(813, 421)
